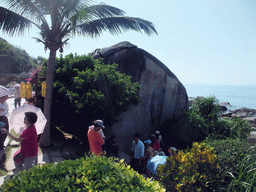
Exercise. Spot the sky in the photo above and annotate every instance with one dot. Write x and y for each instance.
(200, 41)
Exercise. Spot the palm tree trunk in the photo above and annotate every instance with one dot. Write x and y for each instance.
(45, 137)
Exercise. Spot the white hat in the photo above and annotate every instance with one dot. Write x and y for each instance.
(4, 91)
(157, 132)
(100, 123)
(148, 142)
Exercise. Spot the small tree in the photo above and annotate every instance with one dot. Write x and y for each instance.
(87, 89)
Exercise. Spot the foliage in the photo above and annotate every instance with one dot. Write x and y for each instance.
(32, 78)
(191, 170)
(205, 120)
(13, 59)
(239, 128)
(84, 87)
(243, 178)
(230, 152)
(84, 174)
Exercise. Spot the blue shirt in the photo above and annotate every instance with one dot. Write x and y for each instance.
(138, 149)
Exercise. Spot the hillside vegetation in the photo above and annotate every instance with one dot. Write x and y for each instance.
(13, 61)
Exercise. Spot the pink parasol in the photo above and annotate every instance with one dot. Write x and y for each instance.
(18, 115)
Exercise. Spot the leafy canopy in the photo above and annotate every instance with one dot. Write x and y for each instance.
(87, 87)
(57, 20)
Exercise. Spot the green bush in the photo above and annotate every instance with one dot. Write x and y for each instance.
(243, 177)
(191, 170)
(84, 87)
(230, 152)
(85, 174)
(239, 128)
(205, 120)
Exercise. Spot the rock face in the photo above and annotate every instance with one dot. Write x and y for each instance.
(163, 95)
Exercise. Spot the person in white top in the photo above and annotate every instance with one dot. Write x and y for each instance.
(17, 98)
(4, 109)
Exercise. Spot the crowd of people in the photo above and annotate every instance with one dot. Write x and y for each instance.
(25, 158)
(141, 152)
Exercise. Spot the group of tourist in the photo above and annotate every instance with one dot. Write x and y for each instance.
(24, 158)
(141, 152)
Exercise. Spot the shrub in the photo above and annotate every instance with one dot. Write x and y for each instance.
(191, 170)
(230, 152)
(239, 128)
(86, 89)
(243, 177)
(85, 174)
(205, 120)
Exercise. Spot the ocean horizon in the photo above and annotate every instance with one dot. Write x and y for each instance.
(237, 95)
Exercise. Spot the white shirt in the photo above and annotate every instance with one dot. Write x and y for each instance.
(138, 149)
(6, 107)
(16, 94)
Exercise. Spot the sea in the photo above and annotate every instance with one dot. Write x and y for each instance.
(237, 95)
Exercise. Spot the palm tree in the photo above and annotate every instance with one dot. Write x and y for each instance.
(58, 20)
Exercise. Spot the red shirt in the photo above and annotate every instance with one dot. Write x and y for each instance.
(29, 145)
(95, 141)
(156, 144)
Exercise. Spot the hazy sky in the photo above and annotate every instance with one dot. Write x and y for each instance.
(200, 41)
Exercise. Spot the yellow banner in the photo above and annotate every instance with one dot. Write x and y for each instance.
(25, 90)
(43, 88)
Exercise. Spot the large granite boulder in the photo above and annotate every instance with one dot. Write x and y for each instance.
(164, 97)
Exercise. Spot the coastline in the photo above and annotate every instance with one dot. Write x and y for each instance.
(238, 96)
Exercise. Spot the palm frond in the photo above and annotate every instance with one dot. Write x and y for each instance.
(115, 25)
(102, 11)
(12, 23)
(90, 13)
(26, 9)
(72, 7)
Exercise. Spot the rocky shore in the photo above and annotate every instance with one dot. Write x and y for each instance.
(247, 114)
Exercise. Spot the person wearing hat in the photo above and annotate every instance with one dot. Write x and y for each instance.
(95, 139)
(157, 141)
(4, 109)
(100, 131)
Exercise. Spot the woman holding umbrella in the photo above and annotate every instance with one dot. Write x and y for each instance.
(4, 108)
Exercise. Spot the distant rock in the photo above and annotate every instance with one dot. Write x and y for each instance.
(244, 113)
(225, 104)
